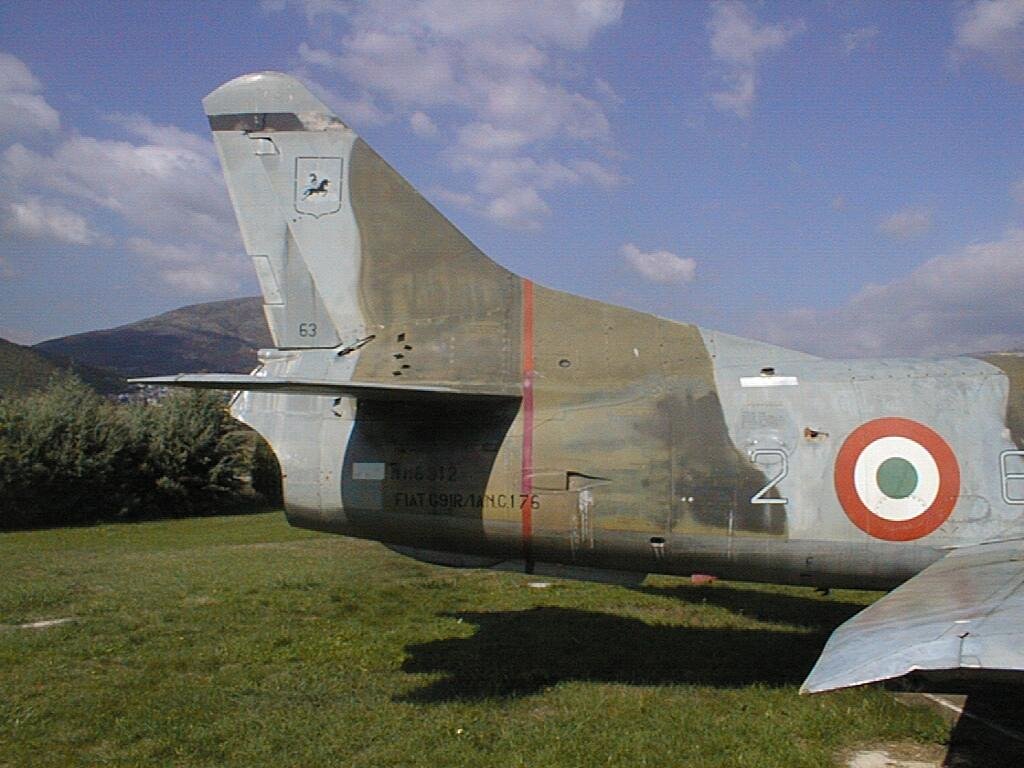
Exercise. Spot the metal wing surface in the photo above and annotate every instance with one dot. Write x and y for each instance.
(959, 620)
(365, 390)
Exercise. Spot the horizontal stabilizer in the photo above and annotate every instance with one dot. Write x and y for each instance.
(366, 390)
(959, 620)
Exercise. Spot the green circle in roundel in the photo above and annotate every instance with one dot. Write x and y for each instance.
(897, 477)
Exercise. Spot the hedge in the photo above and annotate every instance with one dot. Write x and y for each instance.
(68, 456)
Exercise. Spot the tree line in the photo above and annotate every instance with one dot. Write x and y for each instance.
(69, 456)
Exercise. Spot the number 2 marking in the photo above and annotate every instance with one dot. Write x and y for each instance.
(759, 497)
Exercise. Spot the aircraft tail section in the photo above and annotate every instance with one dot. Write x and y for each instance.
(348, 254)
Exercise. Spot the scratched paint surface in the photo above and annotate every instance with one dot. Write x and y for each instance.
(1013, 366)
(621, 440)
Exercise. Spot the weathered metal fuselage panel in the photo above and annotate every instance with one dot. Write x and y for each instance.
(647, 445)
(634, 443)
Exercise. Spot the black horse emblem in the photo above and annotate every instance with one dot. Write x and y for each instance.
(316, 187)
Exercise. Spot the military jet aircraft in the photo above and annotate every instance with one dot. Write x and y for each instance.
(421, 395)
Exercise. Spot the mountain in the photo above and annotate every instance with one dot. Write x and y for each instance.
(22, 369)
(217, 336)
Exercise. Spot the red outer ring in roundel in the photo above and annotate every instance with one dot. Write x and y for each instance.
(897, 530)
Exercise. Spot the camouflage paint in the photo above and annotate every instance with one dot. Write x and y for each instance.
(486, 421)
(526, 462)
(1012, 364)
(625, 441)
(422, 278)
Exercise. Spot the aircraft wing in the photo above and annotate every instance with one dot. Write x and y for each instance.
(366, 390)
(960, 619)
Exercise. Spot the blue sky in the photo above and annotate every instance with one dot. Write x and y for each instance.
(845, 178)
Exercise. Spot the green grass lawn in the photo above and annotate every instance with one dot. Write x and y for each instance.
(238, 641)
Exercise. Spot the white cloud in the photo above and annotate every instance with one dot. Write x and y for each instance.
(659, 266)
(161, 189)
(422, 125)
(499, 71)
(155, 134)
(544, 110)
(968, 301)
(737, 38)
(607, 92)
(993, 31)
(359, 110)
(40, 219)
(164, 189)
(508, 188)
(491, 79)
(501, 174)
(907, 223)
(739, 97)
(739, 42)
(521, 208)
(397, 66)
(566, 23)
(191, 268)
(484, 138)
(23, 111)
(600, 174)
(861, 38)
(316, 12)
(459, 199)
(16, 76)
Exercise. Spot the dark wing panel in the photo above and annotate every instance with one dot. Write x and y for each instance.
(961, 618)
(297, 386)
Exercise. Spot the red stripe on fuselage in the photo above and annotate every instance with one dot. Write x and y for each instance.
(527, 476)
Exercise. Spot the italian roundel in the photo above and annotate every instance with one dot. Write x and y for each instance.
(896, 479)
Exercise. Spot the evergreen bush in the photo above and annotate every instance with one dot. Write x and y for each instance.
(68, 456)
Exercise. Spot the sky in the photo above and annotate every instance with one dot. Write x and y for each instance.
(845, 178)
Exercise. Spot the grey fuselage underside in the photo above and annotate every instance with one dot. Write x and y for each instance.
(655, 527)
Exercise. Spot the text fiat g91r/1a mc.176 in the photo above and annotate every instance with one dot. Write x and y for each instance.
(421, 395)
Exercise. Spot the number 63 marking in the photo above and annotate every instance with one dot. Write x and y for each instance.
(307, 330)
(759, 497)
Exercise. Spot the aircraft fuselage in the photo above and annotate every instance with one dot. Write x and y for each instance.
(646, 445)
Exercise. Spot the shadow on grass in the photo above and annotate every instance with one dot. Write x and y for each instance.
(989, 732)
(811, 612)
(521, 652)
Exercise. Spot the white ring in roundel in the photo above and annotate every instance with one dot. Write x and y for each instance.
(865, 478)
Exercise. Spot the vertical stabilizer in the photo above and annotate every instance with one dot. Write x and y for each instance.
(286, 181)
(346, 249)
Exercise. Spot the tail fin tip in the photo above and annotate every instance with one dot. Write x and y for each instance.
(262, 93)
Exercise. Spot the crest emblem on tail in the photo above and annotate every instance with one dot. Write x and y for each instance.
(318, 185)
